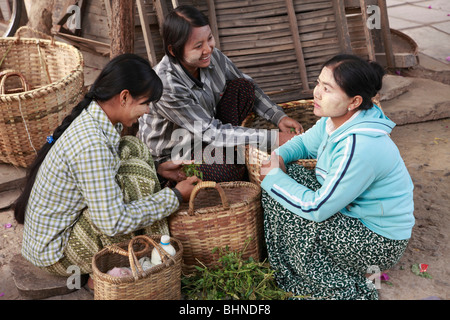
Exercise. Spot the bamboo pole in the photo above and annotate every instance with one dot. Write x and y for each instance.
(146, 31)
(368, 36)
(386, 34)
(213, 21)
(297, 44)
(342, 27)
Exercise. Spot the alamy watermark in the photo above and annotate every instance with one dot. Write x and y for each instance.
(74, 20)
(209, 145)
(74, 281)
(374, 17)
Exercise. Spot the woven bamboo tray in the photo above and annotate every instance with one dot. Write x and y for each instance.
(219, 215)
(302, 111)
(160, 282)
(51, 84)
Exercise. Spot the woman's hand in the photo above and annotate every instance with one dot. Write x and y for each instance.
(173, 170)
(289, 125)
(275, 161)
(186, 186)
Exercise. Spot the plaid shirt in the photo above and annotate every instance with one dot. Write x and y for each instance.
(186, 100)
(78, 172)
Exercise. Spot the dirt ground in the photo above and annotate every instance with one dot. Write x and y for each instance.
(425, 150)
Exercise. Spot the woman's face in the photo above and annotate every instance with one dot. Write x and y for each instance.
(198, 49)
(330, 100)
(133, 110)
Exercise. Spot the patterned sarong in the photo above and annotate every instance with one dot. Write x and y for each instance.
(234, 106)
(326, 260)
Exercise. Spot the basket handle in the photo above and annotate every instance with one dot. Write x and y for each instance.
(136, 267)
(204, 185)
(41, 34)
(9, 73)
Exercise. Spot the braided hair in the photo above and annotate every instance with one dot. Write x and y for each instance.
(124, 72)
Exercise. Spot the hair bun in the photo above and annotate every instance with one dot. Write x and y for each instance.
(379, 73)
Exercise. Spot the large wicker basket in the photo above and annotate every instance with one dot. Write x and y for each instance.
(219, 215)
(51, 84)
(302, 111)
(160, 282)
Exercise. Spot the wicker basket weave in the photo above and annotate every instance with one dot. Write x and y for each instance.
(160, 282)
(210, 221)
(302, 111)
(53, 74)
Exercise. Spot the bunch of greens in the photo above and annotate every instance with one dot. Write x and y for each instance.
(233, 278)
(193, 170)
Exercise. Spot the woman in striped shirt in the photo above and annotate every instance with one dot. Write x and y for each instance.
(204, 101)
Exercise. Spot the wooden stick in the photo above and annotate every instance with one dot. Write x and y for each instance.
(386, 33)
(369, 42)
(108, 11)
(213, 21)
(161, 12)
(297, 43)
(342, 27)
(147, 34)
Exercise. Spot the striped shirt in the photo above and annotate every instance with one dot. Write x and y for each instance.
(190, 105)
(78, 172)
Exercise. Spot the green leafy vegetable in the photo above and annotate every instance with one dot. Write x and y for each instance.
(193, 170)
(233, 278)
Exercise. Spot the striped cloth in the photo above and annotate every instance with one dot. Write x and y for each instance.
(190, 104)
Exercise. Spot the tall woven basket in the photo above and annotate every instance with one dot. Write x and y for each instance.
(41, 81)
(160, 282)
(219, 215)
(302, 111)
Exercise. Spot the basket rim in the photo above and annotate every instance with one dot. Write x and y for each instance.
(284, 106)
(214, 209)
(103, 276)
(72, 74)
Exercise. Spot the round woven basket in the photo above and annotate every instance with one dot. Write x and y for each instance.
(160, 282)
(42, 81)
(302, 111)
(219, 215)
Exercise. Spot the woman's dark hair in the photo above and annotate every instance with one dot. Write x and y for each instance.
(178, 26)
(357, 76)
(124, 72)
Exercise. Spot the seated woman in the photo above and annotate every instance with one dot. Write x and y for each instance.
(74, 201)
(206, 97)
(354, 215)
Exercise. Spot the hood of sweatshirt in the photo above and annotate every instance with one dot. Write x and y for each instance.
(372, 122)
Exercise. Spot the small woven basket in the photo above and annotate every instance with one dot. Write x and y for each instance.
(302, 111)
(51, 84)
(160, 282)
(234, 219)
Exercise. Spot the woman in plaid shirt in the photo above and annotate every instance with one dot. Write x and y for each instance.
(72, 204)
(204, 101)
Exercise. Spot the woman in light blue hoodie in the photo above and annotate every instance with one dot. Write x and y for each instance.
(325, 230)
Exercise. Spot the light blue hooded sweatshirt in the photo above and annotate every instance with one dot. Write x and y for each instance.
(361, 171)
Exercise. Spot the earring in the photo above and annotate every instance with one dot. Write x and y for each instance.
(349, 109)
